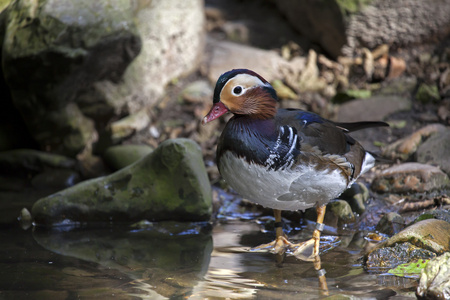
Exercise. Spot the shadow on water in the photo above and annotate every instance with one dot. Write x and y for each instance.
(169, 260)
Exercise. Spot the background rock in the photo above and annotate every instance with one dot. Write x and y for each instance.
(120, 156)
(378, 23)
(52, 53)
(410, 177)
(321, 21)
(168, 184)
(225, 56)
(345, 26)
(436, 151)
(172, 34)
(68, 63)
(375, 108)
(405, 147)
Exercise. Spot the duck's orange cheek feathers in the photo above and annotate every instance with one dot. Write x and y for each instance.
(216, 111)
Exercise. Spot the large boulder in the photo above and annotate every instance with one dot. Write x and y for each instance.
(343, 26)
(67, 63)
(53, 51)
(170, 183)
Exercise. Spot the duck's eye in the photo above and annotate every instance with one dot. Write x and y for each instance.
(237, 90)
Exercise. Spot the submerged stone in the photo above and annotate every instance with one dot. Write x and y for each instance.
(421, 240)
(390, 257)
(170, 183)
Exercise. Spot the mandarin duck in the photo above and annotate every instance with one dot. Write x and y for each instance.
(284, 159)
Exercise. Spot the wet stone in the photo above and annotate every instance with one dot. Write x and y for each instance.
(57, 178)
(390, 224)
(390, 257)
(357, 196)
(431, 234)
(23, 161)
(338, 213)
(435, 279)
(170, 183)
(410, 177)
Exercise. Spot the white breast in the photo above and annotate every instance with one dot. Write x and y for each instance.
(289, 189)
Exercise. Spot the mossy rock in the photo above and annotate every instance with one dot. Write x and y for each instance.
(170, 183)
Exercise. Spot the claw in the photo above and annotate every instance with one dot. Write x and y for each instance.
(278, 246)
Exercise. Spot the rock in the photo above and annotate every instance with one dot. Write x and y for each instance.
(403, 86)
(27, 161)
(347, 26)
(428, 93)
(168, 184)
(375, 108)
(172, 46)
(435, 279)
(199, 91)
(390, 224)
(283, 91)
(226, 56)
(356, 195)
(436, 150)
(55, 178)
(407, 146)
(440, 214)
(321, 22)
(121, 156)
(125, 127)
(431, 234)
(69, 63)
(410, 177)
(342, 210)
(338, 213)
(53, 51)
(444, 109)
(347, 95)
(421, 240)
(397, 23)
(385, 258)
(25, 219)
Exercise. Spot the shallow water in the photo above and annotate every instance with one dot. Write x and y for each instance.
(170, 260)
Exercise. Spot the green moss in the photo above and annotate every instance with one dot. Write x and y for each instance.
(352, 6)
(169, 183)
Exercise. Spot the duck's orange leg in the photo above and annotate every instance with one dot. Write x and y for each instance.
(280, 244)
(301, 248)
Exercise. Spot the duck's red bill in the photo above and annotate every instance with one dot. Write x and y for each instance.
(216, 111)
